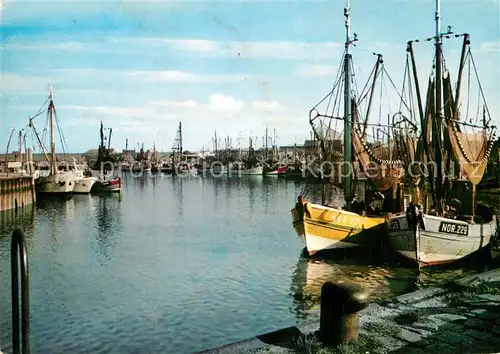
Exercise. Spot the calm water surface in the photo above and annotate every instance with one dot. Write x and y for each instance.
(175, 265)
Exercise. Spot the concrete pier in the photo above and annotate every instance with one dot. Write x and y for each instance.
(16, 191)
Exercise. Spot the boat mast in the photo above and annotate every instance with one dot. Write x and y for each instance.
(180, 140)
(109, 140)
(347, 112)
(437, 117)
(266, 144)
(216, 147)
(239, 145)
(53, 168)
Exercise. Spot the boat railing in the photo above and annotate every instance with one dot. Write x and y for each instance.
(19, 262)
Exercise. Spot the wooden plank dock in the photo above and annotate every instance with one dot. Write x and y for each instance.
(16, 191)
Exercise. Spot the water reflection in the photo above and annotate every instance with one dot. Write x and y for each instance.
(177, 187)
(82, 200)
(10, 220)
(107, 216)
(142, 181)
(217, 187)
(379, 281)
(154, 180)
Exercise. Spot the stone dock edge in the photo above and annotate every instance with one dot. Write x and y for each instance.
(270, 342)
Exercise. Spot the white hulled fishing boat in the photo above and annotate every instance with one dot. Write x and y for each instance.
(450, 229)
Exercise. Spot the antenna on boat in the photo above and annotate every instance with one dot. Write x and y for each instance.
(439, 106)
(348, 108)
(438, 21)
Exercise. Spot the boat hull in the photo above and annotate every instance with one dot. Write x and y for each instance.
(113, 185)
(280, 171)
(252, 171)
(59, 183)
(324, 228)
(437, 240)
(218, 171)
(84, 185)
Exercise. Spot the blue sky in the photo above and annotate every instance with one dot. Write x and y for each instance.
(231, 66)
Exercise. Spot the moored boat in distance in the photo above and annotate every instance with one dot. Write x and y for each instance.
(279, 170)
(111, 185)
(218, 170)
(56, 182)
(257, 170)
(83, 184)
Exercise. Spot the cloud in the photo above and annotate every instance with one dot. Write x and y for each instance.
(181, 76)
(315, 70)
(286, 50)
(110, 111)
(219, 103)
(267, 106)
(63, 46)
(156, 121)
(81, 71)
(12, 82)
(176, 104)
(493, 46)
(251, 49)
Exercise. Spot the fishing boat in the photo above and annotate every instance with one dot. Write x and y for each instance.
(83, 184)
(186, 169)
(361, 222)
(450, 229)
(256, 170)
(111, 185)
(56, 182)
(166, 168)
(106, 159)
(278, 170)
(218, 170)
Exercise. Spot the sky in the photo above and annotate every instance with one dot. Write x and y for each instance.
(235, 67)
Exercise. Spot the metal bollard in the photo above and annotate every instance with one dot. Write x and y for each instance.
(339, 320)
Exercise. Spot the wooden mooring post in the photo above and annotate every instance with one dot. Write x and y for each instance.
(339, 320)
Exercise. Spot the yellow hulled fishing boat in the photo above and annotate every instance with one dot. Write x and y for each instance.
(322, 228)
(326, 225)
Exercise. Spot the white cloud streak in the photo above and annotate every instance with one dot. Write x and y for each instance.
(267, 106)
(251, 49)
(493, 46)
(286, 50)
(315, 70)
(181, 76)
(221, 104)
(13, 82)
(219, 107)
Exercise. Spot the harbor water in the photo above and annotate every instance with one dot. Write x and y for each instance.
(176, 265)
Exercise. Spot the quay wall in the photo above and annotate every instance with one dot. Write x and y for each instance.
(16, 191)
